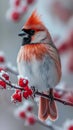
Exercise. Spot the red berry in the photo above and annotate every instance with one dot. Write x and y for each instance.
(24, 9)
(17, 97)
(15, 16)
(31, 120)
(22, 82)
(25, 82)
(70, 98)
(30, 92)
(2, 59)
(57, 94)
(17, 91)
(63, 48)
(17, 2)
(70, 128)
(26, 88)
(1, 68)
(6, 76)
(22, 114)
(29, 108)
(30, 1)
(25, 95)
(2, 84)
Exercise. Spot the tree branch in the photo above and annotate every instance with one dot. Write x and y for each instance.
(11, 85)
(56, 99)
(37, 93)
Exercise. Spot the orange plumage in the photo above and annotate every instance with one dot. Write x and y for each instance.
(33, 20)
(38, 59)
(37, 50)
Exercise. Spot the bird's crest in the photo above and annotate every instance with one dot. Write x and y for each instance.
(34, 19)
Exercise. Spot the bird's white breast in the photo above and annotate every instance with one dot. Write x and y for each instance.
(41, 73)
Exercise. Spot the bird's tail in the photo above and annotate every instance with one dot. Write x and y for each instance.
(47, 109)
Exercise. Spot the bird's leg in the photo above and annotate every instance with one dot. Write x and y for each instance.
(33, 88)
(51, 95)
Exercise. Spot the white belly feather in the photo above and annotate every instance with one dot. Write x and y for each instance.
(41, 74)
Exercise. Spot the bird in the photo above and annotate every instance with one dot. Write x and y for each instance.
(39, 60)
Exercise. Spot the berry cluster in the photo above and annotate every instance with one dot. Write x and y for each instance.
(25, 112)
(22, 89)
(18, 8)
(24, 92)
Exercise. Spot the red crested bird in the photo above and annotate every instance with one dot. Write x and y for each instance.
(38, 59)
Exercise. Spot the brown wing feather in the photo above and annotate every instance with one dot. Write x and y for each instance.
(53, 52)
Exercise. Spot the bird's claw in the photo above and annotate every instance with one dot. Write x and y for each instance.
(34, 90)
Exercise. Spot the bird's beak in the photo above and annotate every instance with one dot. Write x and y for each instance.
(26, 37)
(22, 33)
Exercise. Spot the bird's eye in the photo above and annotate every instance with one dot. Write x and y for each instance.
(31, 32)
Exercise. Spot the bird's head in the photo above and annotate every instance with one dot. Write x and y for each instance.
(34, 31)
